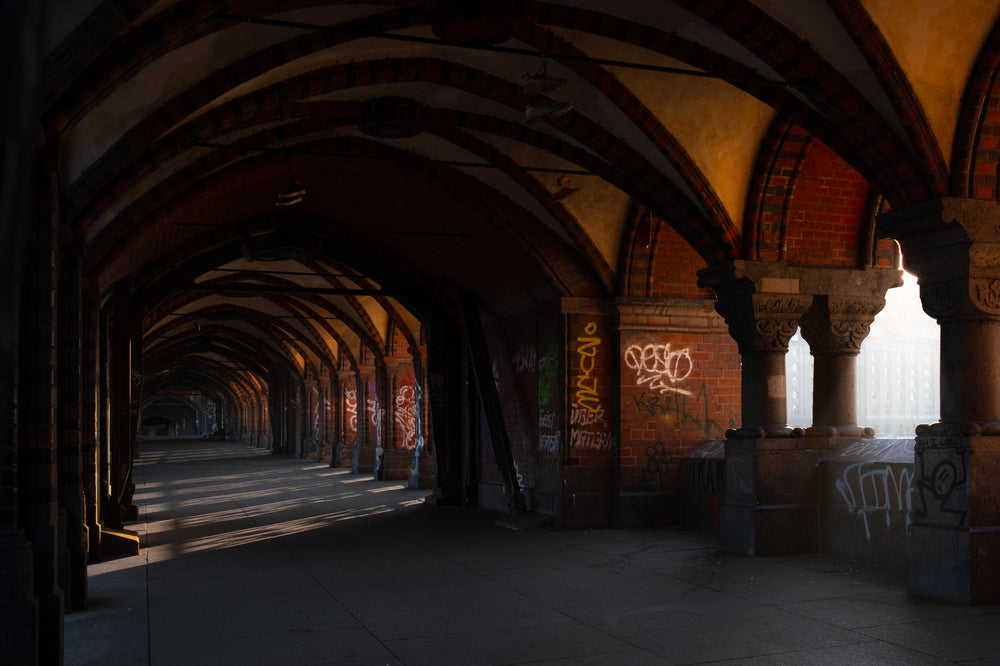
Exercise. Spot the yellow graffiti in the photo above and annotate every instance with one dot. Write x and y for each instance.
(586, 386)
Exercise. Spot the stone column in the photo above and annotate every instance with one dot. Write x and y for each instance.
(844, 305)
(953, 246)
(771, 477)
(762, 303)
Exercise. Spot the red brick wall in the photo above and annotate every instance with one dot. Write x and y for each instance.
(403, 409)
(825, 211)
(666, 267)
(680, 386)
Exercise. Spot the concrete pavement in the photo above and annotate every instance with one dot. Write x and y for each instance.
(249, 558)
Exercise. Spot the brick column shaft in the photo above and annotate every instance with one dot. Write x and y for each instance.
(73, 575)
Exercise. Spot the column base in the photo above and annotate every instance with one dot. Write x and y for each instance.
(955, 540)
(19, 612)
(771, 503)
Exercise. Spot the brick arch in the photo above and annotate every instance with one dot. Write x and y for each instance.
(657, 262)
(721, 241)
(874, 148)
(910, 112)
(771, 187)
(451, 186)
(807, 205)
(368, 333)
(69, 95)
(365, 283)
(134, 156)
(265, 323)
(975, 154)
(313, 232)
(176, 110)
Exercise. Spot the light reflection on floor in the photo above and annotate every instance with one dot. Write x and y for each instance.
(224, 495)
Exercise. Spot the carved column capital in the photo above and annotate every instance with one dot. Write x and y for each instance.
(761, 302)
(838, 325)
(953, 246)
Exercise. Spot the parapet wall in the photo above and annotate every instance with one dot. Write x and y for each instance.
(864, 503)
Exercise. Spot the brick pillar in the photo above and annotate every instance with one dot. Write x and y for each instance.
(37, 407)
(346, 431)
(446, 379)
(320, 435)
(366, 454)
(20, 45)
(400, 416)
(307, 405)
(124, 348)
(844, 305)
(73, 562)
(953, 246)
(378, 419)
(591, 381)
(89, 425)
(770, 506)
(422, 470)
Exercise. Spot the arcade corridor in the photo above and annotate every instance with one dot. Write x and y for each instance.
(251, 559)
(542, 258)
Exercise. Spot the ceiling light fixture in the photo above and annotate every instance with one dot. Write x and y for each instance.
(293, 195)
(540, 106)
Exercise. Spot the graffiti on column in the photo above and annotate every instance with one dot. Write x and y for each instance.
(660, 366)
(682, 410)
(547, 371)
(942, 489)
(524, 360)
(588, 428)
(873, 488)
(351, 408)
(406, 416)
(586, 384)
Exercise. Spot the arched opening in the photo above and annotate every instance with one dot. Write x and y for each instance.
(898, 369)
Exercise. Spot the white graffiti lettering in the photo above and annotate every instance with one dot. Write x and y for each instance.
(551, 442)
(524, 360)
(351, 409)
(406, 415)
(586, 417)
(660, 366)
(870, 488)
(586, 439)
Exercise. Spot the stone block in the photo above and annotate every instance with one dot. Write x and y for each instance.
(787, 477)
(984, 552)
(939, 563)
(787, 530)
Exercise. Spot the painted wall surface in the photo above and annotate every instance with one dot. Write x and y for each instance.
(404, 411)
(680, 387)
(592, 427)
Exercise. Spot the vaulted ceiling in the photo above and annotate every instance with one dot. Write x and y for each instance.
(503, 147)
